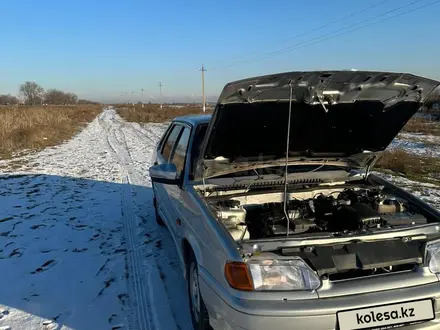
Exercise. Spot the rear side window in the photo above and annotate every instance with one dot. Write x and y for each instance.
(179, 154)
(170, 141)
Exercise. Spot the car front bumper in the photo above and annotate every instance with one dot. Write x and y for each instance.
(317, 315)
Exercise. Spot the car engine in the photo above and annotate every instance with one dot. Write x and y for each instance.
(349, 210)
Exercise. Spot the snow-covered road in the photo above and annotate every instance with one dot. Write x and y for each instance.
(79, 247)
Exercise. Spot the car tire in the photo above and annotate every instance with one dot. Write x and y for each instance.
(156, 214)
(199, 313)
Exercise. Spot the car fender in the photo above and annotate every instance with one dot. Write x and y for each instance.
(191, 240)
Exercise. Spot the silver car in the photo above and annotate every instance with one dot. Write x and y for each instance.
(277, 218)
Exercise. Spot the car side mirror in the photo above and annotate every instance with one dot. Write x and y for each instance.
(164, 173)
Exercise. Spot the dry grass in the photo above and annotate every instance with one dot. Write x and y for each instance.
(412, 166)
(152, 113)
(25, 127)
(423, 126)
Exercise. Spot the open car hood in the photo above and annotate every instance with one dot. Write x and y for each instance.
(339, 116)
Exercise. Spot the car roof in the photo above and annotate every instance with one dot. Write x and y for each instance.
(194, 120)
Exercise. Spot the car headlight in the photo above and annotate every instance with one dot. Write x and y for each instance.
(283, 275)
(291, 274)
(432, 256)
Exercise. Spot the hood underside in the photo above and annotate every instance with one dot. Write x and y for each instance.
(338, 115)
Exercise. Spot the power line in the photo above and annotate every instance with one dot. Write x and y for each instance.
(286, 49)
(354, 24)
(203, 70)
(160, 92)
(327, 37)
(320, 27)
(331, 35)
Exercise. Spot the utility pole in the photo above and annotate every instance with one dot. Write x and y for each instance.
(142, 97)
(203, 88)
(160, 94)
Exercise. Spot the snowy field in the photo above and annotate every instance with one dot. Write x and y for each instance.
(421, 145)
(418, 144)
(79, 246)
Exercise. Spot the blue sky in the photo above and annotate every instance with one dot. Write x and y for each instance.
(102, 49)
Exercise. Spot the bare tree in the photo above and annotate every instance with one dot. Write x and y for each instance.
(55, 96)
(8, 99)
(72, 98)
(32, 92)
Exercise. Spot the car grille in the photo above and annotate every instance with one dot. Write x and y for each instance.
(362, 273)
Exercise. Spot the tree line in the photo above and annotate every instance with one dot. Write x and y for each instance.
(33, 94)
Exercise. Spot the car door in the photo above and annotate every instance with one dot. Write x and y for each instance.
(164, 153)
(178, 158)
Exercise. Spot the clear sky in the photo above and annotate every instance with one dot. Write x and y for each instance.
(102, 49)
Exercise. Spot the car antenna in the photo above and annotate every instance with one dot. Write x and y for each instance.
(287, 158)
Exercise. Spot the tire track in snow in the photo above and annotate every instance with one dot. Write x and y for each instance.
(151, 308)
(144, 133)
(141, 319)
(159, 242)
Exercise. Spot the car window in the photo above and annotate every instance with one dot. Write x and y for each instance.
(170, 141)
(179, 154)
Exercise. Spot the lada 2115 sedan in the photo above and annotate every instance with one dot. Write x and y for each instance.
(277, 218)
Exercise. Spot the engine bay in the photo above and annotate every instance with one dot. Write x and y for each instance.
(335, 211)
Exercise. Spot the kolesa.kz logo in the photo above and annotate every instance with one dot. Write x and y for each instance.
(393, 315)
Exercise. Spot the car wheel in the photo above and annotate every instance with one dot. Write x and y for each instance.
(199, 314)
(156, 214)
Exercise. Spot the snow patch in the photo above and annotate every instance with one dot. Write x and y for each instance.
(418, 144)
